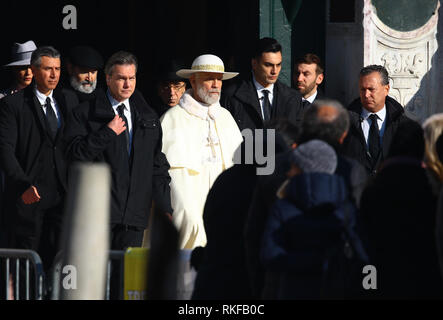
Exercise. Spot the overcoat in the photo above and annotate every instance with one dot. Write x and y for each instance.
(90, 139)
(28, 154)
(241, 100)
(354, 145)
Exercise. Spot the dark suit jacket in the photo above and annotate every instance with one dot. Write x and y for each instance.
(320, 95)
(92, 140)
(354, 145)
(242, 101)
(305, 104)
(28, 155)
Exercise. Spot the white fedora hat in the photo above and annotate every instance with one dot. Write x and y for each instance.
(207, 63)
(21, 54)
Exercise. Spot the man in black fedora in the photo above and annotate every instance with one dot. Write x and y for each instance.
(83, 65)
(170, 87)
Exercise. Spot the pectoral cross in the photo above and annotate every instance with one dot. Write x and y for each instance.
(212, 145)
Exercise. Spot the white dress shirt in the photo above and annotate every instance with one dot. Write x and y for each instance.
(42, 99)
(259, 89)
(366, 123)
(311, 98)
(126, 111)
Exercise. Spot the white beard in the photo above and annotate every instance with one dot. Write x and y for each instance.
(206, 97)
(80, 87)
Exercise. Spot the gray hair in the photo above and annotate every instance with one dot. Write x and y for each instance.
(376, 68)
(328, 127)
(120, 58)
(46, 51)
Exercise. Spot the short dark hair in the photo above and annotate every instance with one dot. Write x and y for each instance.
(265, 45)
(376, 68)
(310, 58)
(120, 58)
(328, 129)
(45, 51)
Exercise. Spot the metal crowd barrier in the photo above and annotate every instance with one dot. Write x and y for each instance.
(31, 258)
(119, 257)
(131, 283)
(116, 259)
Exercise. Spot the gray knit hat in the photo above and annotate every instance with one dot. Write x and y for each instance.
(315, 156)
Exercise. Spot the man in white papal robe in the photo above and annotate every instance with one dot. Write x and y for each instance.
(199, 141)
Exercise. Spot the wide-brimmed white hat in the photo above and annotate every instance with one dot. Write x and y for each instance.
(207, 63)
(21, 54)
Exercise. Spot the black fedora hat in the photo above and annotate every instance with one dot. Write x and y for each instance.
(21, 54)
(85, 56)
(167, 70)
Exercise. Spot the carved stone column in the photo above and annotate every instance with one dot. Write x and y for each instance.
(408, 57)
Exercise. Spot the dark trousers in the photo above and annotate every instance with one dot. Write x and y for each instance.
(46, 236)
(42, 235)
(122, 237)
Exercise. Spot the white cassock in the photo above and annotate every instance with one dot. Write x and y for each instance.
(199, 142)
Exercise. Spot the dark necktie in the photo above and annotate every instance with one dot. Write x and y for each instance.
(374, 138)
(51, 118)
(121, 113)
(305, 104)
(266, 106)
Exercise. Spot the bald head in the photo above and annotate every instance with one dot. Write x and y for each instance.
(326, 120)
(327, 113)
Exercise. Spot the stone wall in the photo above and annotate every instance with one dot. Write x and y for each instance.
(413, 59)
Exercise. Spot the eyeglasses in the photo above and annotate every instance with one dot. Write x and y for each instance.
(175, 87)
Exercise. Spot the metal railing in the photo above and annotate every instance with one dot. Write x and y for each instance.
(115, 257)
(31, 257)
(119, 256)
(13, 269)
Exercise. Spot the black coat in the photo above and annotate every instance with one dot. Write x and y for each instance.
(398, 209)
(320, 95)
(242, 101)
(83, 96)
(300, 230)
(264, 197)
(80, 95)
(222, 273)
(92, 140)
(354, 145)
(28, 155)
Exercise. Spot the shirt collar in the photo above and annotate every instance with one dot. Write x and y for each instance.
(381, 114)
(115, 103)
(259, 87)
(311, 98)
(41, 97)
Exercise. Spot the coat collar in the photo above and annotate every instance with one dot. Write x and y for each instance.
(394, 110)
(198, 109)
(247, 94)
(103, 109)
